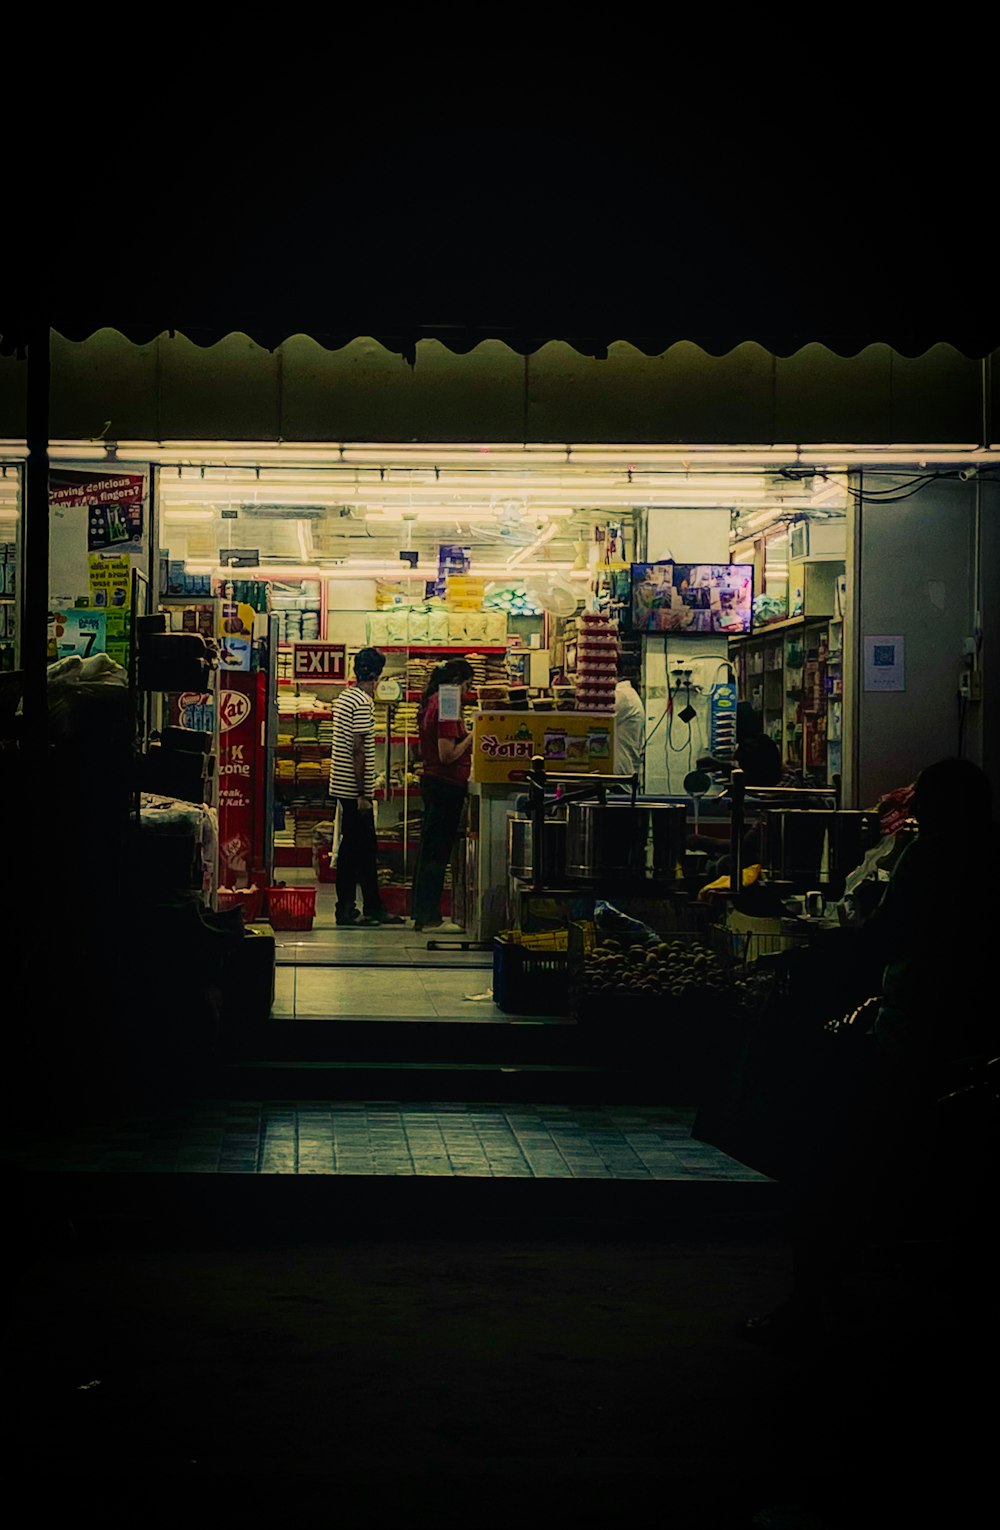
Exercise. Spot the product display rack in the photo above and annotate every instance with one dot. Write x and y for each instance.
(790, 673)
(9, 601)
(149, 710)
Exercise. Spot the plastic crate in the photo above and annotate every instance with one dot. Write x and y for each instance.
(324, 865)
(248, 899)
(291, 908)
(527, 981)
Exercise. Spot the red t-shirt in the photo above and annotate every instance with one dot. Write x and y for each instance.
(432, 729)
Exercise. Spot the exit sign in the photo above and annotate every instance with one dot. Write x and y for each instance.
(319, 661)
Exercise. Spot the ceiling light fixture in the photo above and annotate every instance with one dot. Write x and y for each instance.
(824, 455)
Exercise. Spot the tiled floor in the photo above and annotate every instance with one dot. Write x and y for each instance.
(379, 1138)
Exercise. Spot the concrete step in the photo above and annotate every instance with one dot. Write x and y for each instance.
(477, 1079)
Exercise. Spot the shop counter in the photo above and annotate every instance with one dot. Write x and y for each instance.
(506, 742)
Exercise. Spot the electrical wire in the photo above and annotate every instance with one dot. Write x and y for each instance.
(892, 496)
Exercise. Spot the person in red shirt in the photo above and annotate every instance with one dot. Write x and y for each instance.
(445, 753)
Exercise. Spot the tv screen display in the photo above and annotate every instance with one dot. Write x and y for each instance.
(692, 597)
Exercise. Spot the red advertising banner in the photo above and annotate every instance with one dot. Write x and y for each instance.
(112, 501)
(319, 661)
(237, 770)
(240, 780)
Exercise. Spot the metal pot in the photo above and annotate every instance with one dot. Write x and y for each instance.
(613, 839)
(520, 861)
(796, 840)
(798, 837)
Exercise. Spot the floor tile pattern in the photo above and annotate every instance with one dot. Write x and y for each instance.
(382, 1138)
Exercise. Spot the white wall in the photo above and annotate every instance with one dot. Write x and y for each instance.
(689, 536)
(348, 602)
(915, 580)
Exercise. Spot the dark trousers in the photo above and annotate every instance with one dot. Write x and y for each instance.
(443, 804)
(356, 860)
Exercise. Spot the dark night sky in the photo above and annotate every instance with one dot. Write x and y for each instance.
(587, 221)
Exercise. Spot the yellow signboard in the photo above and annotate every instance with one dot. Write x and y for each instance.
(111, 592)
(505, 743)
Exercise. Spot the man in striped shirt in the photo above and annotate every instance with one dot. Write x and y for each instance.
(352, 785)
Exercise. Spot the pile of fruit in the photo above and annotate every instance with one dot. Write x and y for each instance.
(681, 972)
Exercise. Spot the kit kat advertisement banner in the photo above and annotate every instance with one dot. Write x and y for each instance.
(239, 787)
(237, 749)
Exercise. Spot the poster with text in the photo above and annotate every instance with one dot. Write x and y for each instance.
(109, 504)
(111, 593)
(505, 743)
(78, 631)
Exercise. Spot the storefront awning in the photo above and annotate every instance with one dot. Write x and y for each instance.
(271, 330)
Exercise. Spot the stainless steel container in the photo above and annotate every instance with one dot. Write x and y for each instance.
(809, 845)
(520, 839)
(616, 839)
(797, 843)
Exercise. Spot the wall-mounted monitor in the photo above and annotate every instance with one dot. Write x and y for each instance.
(692, 597)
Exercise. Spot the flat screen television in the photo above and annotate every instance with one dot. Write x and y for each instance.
(692, 597)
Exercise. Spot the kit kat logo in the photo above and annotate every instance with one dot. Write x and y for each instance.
(234, 709)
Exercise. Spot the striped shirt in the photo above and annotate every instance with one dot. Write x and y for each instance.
(353, 718)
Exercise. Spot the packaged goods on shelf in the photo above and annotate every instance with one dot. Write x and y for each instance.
(405, 718)
(464, 592)
(596, 663)
(377, 629)
(397, 626)
(417, 672)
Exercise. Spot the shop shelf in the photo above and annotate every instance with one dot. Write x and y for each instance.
(469, 647)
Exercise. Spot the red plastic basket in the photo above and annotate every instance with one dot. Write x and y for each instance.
(291, 908)
(395, 899)
(247, 898)
(324, 866)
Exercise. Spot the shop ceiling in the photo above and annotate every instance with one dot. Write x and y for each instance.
(531, 507)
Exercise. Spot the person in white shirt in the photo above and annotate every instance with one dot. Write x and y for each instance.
(630, 725)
